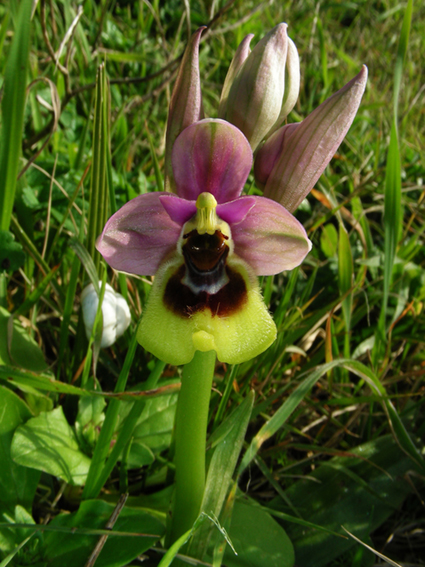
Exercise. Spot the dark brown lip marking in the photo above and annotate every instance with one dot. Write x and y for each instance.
(204, 250)
(182, 301)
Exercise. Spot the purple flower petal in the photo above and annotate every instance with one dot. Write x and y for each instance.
(270, 239)
(214, 156)
(234, 212)
(179, 210)
(138, 237)
(313, 144)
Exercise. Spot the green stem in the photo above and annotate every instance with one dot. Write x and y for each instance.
(190, 441)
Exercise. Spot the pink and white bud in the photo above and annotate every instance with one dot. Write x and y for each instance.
(312, 145)
(238, 60)
(292, 85)
(270, 152)
(186, 102)
(255, 97)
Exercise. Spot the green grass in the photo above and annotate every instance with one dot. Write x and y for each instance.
(331, 442)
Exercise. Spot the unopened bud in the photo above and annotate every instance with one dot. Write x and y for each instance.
(115, 313)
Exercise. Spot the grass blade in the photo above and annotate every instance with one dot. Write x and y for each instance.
(12, 107)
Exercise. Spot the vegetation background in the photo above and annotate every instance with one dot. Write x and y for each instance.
(348, 449)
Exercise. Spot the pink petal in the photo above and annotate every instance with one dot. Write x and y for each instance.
(270, 239)
(137, 237)
(214, 156)
(313, 144)
(179, 210)
(235, 211)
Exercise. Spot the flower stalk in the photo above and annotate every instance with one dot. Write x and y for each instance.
(190, 441)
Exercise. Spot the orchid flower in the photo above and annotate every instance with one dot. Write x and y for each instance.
(205, 245)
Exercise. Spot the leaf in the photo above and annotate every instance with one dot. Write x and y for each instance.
(12, 110)
(154, 428)
(47, 443)
(12, 256)
(341, 499)
(18, 483)
(231, 435)
(70, 550)
(17, 348)
(258, 539)
(89, 419)
(283, 413)
(29, 381)
(329, 240)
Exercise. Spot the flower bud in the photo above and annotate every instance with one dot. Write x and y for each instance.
(270, 152)
(292, 85)
(312, 145)
(115, 313)
(186, 101)
(255, 97)
(238, 60)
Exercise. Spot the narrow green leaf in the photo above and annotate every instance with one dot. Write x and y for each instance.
(222, 466)
(98, 205)
(282, 414)
(12, 554)
(43, 382)
(12, 108)
(401, 54)
(3, 29)
(87, 262)
(345, 280)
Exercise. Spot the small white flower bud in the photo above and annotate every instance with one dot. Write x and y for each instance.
(115, 312)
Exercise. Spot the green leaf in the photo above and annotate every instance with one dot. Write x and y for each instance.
(231, 435)
(345, 261)
(285, 410)
(12, 256)
(48, 443)
(70, 550)
(29, 382)
(98, 205)
(329, 240)
(12, 110)
(340, 498)
(18, 483)
(258, 539)
(155, 425)
(17, 348)
(89, 419)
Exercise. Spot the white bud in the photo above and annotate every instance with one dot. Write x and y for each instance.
(115, 312)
